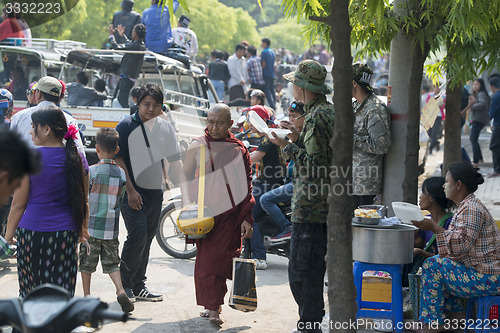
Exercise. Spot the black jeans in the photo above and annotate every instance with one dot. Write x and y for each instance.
(258, 248)
(495, 148)
(475, 130)
(141, 229)
(306, 273)
(124, 87)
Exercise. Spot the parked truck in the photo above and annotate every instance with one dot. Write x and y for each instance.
(188, 91)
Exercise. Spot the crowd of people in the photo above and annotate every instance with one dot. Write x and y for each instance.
(278, 170)
(61, 201)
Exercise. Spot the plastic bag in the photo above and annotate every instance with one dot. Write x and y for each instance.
(243, 292)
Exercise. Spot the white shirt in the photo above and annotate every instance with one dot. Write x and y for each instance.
(186, 38)
(21, 123)
(237, 70)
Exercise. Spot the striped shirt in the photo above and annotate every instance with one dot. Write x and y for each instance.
(107, 187)
(255, 70)
(473, 237)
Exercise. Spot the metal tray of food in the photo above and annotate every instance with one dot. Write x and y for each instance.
(366, 220)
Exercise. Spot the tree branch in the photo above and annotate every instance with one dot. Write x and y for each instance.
(322, 19)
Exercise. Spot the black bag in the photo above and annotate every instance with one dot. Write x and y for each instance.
(243, 292)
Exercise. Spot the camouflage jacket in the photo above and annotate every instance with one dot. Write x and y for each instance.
(372, 139)
(312, 156)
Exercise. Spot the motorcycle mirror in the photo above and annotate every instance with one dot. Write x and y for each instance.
(242, 119)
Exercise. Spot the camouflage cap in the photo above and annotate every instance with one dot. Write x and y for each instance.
(362, 74)
(310, 75)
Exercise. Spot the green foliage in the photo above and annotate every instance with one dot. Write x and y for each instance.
(62, 27)
(307, 9)
(264, 12)
(286, 33)
(216, 25)
(469, 29)
(220, 27)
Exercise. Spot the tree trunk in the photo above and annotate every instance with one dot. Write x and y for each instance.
(341, 290)
(405, 78)
(410, 183)
(452, 129)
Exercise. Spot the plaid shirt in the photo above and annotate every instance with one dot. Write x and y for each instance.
(107, 187)
(255, 70)
(473, 237)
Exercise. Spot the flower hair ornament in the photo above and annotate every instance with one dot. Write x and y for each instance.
(71, 133)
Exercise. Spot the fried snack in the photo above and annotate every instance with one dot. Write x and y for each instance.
(370, 213)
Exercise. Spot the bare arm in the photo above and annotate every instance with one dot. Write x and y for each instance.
(17, 208)
(256, 156)
(134, 198)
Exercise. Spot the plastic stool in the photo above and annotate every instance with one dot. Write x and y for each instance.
(395, 308)
(483, 310)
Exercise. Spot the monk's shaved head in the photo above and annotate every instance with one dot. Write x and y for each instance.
(219, 121)
(221, 109)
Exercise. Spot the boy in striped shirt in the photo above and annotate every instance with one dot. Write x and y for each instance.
(107, 187)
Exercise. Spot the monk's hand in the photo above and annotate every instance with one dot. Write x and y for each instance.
(276, 140)
(246, 230)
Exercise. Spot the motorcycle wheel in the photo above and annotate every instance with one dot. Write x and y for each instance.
(169, 237)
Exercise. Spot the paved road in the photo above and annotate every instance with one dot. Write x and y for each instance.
(277, 311)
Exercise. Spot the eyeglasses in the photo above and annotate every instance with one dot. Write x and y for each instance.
(29, 91)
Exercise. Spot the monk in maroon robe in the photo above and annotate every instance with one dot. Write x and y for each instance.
(228, 195)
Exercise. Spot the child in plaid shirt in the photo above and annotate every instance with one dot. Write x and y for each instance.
(107, 187)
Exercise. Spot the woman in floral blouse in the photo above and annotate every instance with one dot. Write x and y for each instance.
(468, 264)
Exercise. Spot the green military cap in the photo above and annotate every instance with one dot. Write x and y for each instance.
(310, 75)
(362, 74)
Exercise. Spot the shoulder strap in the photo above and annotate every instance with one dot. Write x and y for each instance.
(201, 183)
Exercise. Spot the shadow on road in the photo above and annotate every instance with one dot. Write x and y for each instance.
(194, 325)
(8, 267)
(183, 266)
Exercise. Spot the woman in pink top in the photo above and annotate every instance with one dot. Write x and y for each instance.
(50, 209)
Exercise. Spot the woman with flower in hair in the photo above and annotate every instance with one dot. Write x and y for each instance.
(50, 209)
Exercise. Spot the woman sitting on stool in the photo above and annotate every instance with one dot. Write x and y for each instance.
(468, 264)
(433, 200)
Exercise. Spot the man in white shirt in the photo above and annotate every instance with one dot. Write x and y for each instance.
(237, 66)
(47, 93)
(185, 37)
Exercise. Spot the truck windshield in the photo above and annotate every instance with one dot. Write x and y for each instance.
(18, 69)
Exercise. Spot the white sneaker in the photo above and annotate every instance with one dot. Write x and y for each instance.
(261, 263)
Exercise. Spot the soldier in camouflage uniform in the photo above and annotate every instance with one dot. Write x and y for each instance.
(372, 137)
(312, 155)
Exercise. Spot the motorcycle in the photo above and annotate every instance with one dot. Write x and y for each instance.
(173, 241)
(50, 308)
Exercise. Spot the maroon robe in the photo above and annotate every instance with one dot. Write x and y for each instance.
(228, 194)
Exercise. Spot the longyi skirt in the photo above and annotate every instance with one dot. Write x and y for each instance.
(46, 257)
